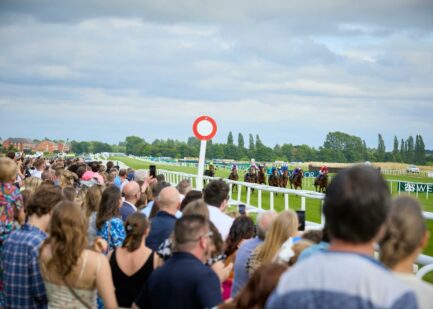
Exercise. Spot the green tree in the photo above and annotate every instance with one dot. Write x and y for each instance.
(381, 149)
(403, 151)
(420, 156)
(241, 142)
(410, 150)
(395, 152)
(133, 144)
(230, 139)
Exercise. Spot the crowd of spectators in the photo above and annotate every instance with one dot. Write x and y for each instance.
(92, 235)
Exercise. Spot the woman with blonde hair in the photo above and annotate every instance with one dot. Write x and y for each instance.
(72, 274)
(283, 227)
(405, 238)
(31, 183)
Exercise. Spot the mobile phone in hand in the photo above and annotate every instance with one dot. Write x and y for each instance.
(152, 171)
(301, 219)
(242, 209)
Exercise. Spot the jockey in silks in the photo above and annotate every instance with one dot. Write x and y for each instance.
(284, 168)
(296, 171)
(323, 171)
(254, 165)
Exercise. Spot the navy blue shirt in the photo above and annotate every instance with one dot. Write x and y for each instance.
(160, 230)
(182, 282)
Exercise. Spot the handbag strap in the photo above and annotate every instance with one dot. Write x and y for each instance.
(86, 305)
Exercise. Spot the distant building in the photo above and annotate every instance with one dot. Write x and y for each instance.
(21, 144)
(49, 146)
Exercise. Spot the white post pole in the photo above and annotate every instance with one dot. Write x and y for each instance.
(260, 198)
(271, 198)
(201, 165)
(286, 201)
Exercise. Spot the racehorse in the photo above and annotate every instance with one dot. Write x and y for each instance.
(251, 177)
(261, 178)
(209, 172)
(320, 183)
(274, 179)
(284, 179)
(296, 180)
(234, 176)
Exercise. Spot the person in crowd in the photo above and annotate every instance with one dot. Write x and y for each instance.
(216, 195)
(108, 224)
(93, 173)
(39, 166)
(72, 274)
(355, 208)
(24, 287)
(191, 196)
(297, 249)
(31, 183)
(242, 229)
(284, 226)
(132, 263)
(109, 165)
(69, 193)
(405, 238)
(91, 207)
(258, 288)
(123, 177)
(240, 278)
(11, 206)
(144, 181)
(322, 246)
(131, 192)
(163, 222)
(184, 281)
(156, 189)
(184, 186)
(315, 236)
(68, 178)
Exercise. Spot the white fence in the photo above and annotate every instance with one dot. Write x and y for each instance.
(176, 177)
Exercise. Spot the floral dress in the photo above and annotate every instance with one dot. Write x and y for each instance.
(11, 201)
(113, 232)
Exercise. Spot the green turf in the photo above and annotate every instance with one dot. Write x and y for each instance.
(312, 205)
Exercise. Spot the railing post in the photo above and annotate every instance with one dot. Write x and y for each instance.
(239, 192)
(230, 190)
(302, 202)
(248, 195)
(322, 217)
(271, 197)
(286, 201)
(259, 198)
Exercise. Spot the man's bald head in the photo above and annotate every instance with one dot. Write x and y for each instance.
(131, 190)
(264, 221)
(169, 199)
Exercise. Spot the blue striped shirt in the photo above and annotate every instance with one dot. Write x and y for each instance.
(340, 280)
(24, 287)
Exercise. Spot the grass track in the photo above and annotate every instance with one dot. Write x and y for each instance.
(312, 205)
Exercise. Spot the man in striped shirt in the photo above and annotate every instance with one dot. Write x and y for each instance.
(347, 276)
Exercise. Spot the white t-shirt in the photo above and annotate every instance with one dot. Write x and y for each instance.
(423, 290)
(222, 221)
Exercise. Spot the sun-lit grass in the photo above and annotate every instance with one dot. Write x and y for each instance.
(313, 208)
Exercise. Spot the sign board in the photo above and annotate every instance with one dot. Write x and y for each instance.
(415, 187)
(204, 128)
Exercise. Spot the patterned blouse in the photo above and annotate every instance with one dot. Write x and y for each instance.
(113, 232)
(11, 202)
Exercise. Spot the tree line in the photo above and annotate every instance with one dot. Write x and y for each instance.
(337, 147)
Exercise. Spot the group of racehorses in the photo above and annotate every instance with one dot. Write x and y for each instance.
(277, 179)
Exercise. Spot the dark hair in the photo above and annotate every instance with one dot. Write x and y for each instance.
(122, 172)
(190, 197)
(11, 155)
(136, 226)
(187, 230)
(94, 166)
(257, 290)
(242, 228)
(109, 206)
(160, 177)
(216, 192)
(356, 204)
(110, 165)
(43, 200)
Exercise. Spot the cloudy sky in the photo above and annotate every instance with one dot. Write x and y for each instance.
(290, 71)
